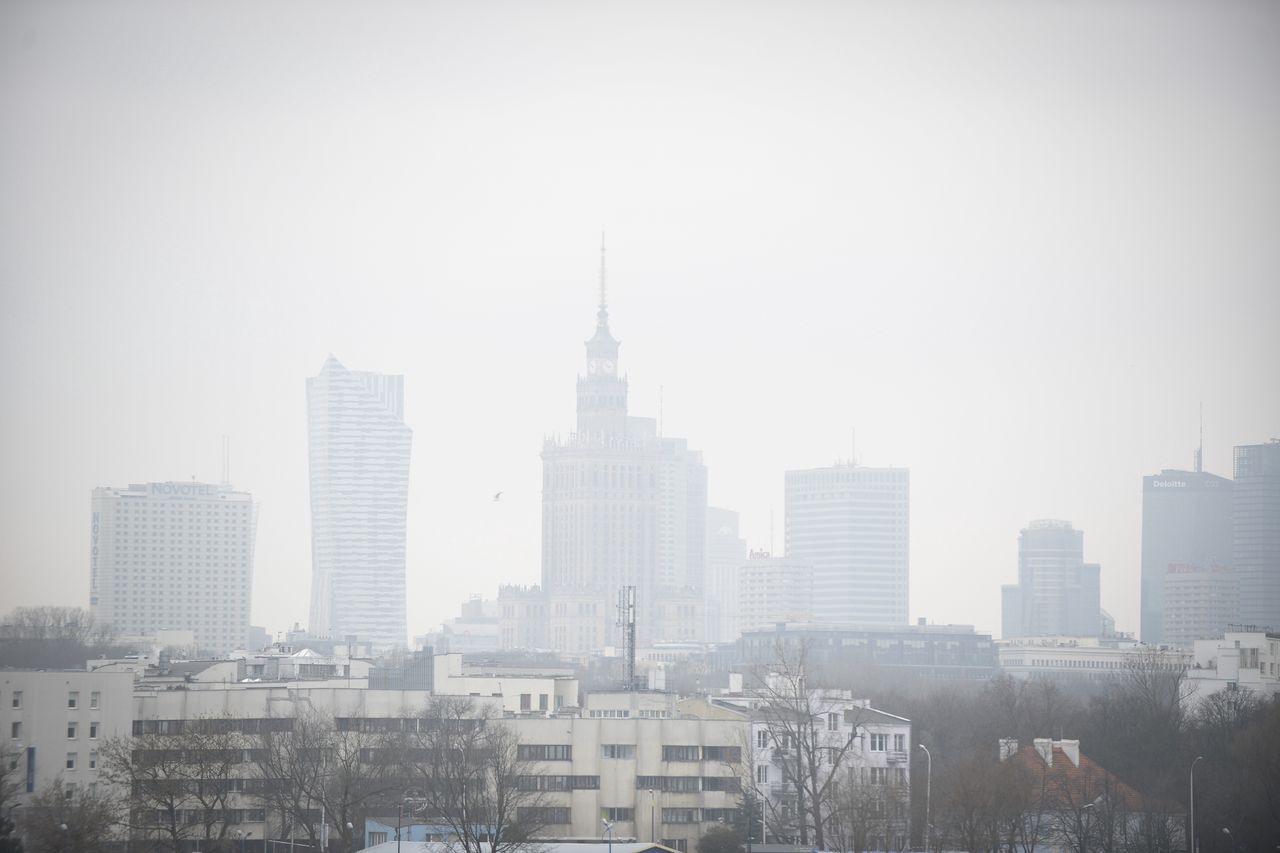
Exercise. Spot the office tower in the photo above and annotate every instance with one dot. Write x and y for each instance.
(850, 523)
(774, 590)
(726, 552)
(1186, 522)
(1255, 529)
(1057, 593)
(173, 556)
(359, 452)
(621, 505)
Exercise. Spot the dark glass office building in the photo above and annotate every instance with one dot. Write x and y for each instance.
(1186, 523)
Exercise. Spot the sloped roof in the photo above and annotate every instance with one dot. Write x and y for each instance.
(1071, 786)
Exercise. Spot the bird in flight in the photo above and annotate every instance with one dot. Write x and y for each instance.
(497, 497)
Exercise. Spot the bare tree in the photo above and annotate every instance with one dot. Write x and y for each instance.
(183, 784)
(9, 787)
(465, 766)
(52, 637)
(811, 755)
(69, 820)
(313, 771)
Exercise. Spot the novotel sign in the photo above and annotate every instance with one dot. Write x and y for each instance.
(182, 490)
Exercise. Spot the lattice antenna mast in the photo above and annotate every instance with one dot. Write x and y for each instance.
(226, 461)
(627, 621)
(1200, 448)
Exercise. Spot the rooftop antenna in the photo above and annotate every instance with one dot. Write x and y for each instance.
(771, 532)
(1200, 448)
(226, 461)
(853, 445)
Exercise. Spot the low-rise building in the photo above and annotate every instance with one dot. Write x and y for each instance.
(1241, 660)
(54, 722)
(1084, 658)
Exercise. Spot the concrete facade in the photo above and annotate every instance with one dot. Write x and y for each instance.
(54, 722)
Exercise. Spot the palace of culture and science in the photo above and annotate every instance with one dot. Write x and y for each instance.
(621, 506)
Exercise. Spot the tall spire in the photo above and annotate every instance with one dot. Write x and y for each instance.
(604, 301)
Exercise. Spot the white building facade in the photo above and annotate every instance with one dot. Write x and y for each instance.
(851, 523)
(773, 590)
(359, 456)
(54, 722)
(176, 555)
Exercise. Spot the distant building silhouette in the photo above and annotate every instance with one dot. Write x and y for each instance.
(1256, 533)
(1186, 523)
(850, 523)
(174, 555)
(726, 552)
(359, 453)
(1057, 593)
(621, 505)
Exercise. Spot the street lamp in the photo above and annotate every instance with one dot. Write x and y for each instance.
(1193, 803)
(351, 831)
(1228, 834)
(400, 813)
(608, 828)
(653, 826)
(1084, 842)
(928, 784)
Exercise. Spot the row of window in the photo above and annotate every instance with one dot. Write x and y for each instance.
(73, 730)
(564, 752)
(73, 700)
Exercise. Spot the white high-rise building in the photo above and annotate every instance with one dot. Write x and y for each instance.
(851, 524)
(173, 555)
(359, 451)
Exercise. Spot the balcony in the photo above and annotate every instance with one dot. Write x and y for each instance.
(897, 756)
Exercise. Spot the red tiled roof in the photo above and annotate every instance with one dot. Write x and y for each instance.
(1068, 786)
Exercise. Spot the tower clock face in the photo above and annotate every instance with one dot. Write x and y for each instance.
(608, 366)
(593, 366)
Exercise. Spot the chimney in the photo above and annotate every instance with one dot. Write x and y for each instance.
(1008, 748)
(1071, 748)
(1044, 746)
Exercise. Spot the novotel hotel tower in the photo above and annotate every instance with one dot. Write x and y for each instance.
(175, 555)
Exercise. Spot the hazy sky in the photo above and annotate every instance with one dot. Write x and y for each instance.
(1014, 243)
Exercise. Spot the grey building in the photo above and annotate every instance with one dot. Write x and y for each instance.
(621, 506)
(1255, 531)
(942, 652)
(1057, 593)
(173, 555)
(1186, 525)
(359, 454)
(726, 552)
(851, 524)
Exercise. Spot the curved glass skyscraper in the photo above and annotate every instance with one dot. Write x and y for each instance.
(359, 452)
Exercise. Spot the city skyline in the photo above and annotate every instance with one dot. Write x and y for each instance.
(1014, 273)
